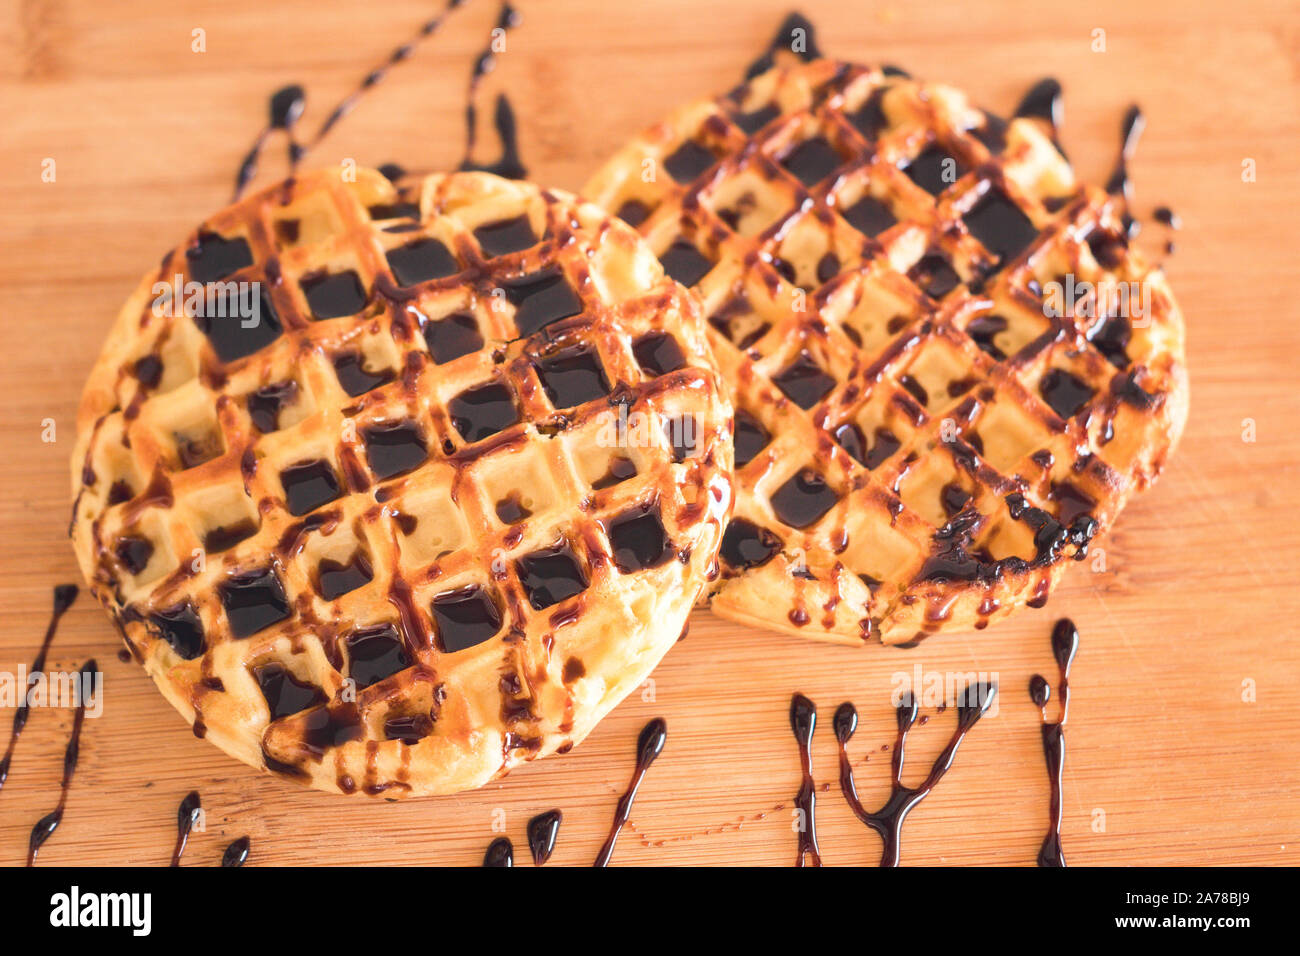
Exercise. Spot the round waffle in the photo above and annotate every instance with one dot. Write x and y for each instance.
(941, 391)
(441, 506)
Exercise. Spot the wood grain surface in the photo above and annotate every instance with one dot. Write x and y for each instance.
(1183, 738)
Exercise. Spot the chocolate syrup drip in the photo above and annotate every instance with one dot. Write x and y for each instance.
(287, 104)
(285, 109)
(236, 854)
(542, 831)
(782, 40)
(803, 721)
(888, 820)
(1170, 220)
(64, 596)
(954, 560)
(648, 747)
(500, 853)
(47, 824)
(1044, 101)
(1065, 644)
(508, 165)
(186, 814)
(1166, 216)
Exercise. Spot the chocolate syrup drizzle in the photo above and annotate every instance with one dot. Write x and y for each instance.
(47, 824)
(509, 164)
(1130, 132)
(888, 820)
(542, 832)
(64, 596)
(803, 721)
(1119, 183)
(287, 105)
(1065, 645)
(649, 745)
(1045, 101)
(186, 814)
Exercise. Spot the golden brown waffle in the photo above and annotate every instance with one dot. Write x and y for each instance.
(920, 446)
(444, 506)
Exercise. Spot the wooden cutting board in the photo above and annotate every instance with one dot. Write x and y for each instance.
(1182, 740)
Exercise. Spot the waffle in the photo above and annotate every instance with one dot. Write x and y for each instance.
(926, 430)
(445, 504)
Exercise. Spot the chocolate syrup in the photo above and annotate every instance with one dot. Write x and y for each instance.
(1119, 184)
(542, 831)
(803, 381)
(572, 377)
(186, 814)
(64, 596)
(803, 499)
(550, 575)
(540, 299)
(953, 559)
(287, 103)
(284, 110)
(47, 824)
(803, 721)
(375, 76)
(236, 854)
(500, 853)
(685, 263)
(638, 539)
(1044, 101)
(649, 746)
(464, 617)
(688, 161)
(1065, 645)
(782, 40)
(750, 437)
(888, 820)
(509, 164)
(935, 169)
